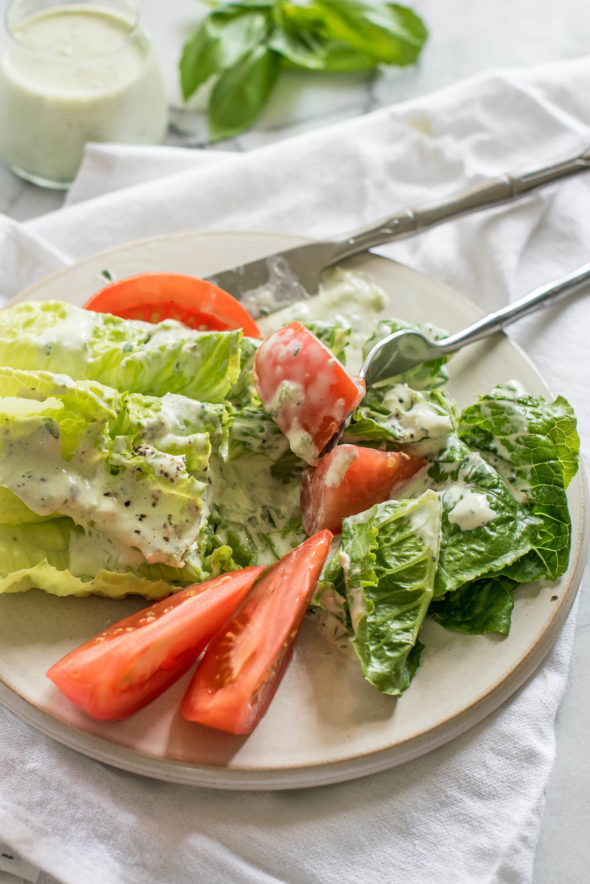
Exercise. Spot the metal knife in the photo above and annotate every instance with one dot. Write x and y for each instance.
(295, 273)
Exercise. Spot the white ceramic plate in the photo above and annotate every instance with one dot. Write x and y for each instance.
(325, 724)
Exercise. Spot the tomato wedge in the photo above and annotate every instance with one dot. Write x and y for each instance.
(242, 666)
(305, 388)
(349, 480)
(133, 661)
(156, 296)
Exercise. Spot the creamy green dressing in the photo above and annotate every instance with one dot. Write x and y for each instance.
(423, 518)
(345, 297)
(301, 443)
(249, 501)
(72, 75)
(466, 508)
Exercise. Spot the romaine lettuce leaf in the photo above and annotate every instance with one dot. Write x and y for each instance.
(251, 514)
(400, 415)
(483, 528)
(330, 593)
(534, 445)
(479, 607)
(128, 355)
(389, 554)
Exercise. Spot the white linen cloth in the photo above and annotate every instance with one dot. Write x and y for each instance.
(471, 810)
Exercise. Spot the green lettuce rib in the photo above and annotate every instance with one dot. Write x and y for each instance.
(97, 483)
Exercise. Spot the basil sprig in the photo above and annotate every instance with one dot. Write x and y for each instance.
(245, 44)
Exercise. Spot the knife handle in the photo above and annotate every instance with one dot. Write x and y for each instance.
(492, 193)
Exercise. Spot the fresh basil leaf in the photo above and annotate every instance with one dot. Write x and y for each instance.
(388, 32)
(301, 40)
(247, 43)
(241, 92)
(477, 608)
(340, 58)
(219, 42)
(296, 36)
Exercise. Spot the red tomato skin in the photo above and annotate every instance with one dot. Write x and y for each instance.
(244, 663)
(153, 297)
(361, 477)
(328, 393)
(133, 661)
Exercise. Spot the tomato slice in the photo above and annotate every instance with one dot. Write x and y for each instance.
(305, 388)
(349, 480)
(157, 296)
(243, 665)
(133, 661)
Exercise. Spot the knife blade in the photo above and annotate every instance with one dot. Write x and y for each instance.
(276, 280)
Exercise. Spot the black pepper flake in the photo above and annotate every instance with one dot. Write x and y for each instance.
(137, 531)
(127, 503)
(141, 517)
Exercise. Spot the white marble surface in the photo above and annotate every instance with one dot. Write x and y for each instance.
(465, 38)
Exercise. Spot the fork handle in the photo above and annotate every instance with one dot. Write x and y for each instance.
(540, 297)
(492, 193)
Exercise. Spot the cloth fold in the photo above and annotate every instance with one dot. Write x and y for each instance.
(471, 810)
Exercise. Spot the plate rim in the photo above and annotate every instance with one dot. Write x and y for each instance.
(306, 775)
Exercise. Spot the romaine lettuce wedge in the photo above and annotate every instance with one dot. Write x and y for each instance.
(128, 470)
(389, 555)
(128, 355)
